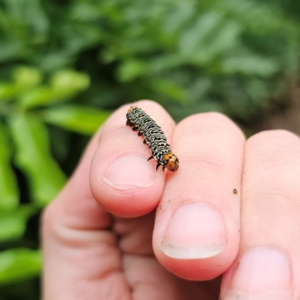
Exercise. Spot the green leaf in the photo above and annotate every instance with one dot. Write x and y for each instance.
(34, 158)
(83, 11)
(170, 89)
(188, 44)
(222, 40)
(55, 60)
(10, 49)
(19, 264)
(13, 224)
(41, 95)
(26, 77)
(180, 14)
(68, 82)
(166, 62)
(7, 91)
(250, 65)
(63, 86)
(9, 193)
(131, 69)
(76, 118)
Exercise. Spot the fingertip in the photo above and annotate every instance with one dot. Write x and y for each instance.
(196, 244)
(127, 186)
(129, 172)
(200, 269)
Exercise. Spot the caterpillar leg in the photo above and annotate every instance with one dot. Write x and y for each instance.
(157, 166)
(149, 158)
(140, 133)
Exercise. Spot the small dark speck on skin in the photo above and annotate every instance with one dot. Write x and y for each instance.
(235, 191)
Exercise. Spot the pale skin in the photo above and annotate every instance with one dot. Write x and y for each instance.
(120, 230)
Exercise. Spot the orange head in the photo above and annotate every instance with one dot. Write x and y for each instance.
(172, 162)
(131, 108)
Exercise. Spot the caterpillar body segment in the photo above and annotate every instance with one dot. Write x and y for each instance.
(153, 137)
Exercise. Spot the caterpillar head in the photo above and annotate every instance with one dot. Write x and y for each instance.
(172, 162)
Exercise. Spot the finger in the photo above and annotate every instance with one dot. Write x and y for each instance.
(196, 234)
(268, 263)
(80, 255)
(122, 179)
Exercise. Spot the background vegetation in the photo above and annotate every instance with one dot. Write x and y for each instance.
(65, 65)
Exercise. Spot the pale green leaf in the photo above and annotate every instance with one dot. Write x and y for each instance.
(19, 264)
(76, 118)
(63, 86)
(34, 158)
(24, 80)
(26, 77)
(68, 82)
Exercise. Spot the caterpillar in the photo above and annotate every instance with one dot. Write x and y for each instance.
(153, 137)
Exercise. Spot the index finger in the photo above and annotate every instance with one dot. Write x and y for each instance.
(121, 178)
(196, 232)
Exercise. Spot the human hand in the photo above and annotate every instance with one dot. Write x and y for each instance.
(232, 208)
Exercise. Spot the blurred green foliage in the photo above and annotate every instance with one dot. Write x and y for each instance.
(191, 55)
(65, 64)
(27, 103)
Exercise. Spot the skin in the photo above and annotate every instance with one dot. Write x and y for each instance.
(231, 209)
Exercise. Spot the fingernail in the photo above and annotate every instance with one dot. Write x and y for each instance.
(129, 172)
(262, 273)
(195, 231)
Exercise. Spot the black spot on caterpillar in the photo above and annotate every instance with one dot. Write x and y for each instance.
(153, 137)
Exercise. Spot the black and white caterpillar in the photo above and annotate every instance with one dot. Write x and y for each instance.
(153, 137)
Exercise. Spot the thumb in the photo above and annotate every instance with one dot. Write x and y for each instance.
(80, 255)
